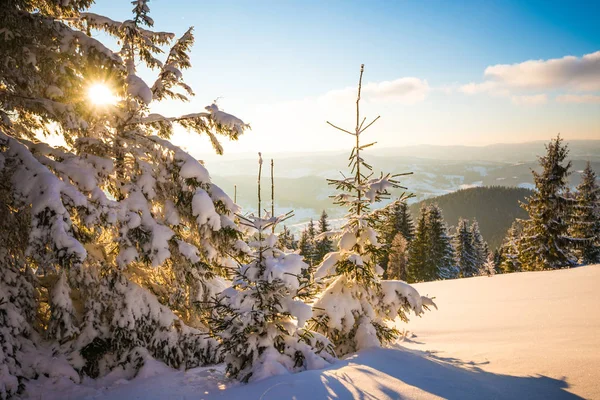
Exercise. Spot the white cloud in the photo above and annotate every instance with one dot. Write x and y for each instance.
(570, 73)
(407, 90)
(559, 73)
(493, 88)
(578, 98)
(532, 100)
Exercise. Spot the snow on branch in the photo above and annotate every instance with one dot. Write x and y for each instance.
(49, 197)
(170, 75)
(204, 122)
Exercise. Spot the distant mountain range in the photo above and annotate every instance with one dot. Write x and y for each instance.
(495, 209)
(501, 152)
(300, 178)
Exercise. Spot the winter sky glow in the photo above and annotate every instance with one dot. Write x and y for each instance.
(438, 72)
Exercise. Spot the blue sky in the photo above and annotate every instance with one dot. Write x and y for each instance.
(276, 63)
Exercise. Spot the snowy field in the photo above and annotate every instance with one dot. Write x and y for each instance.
(532, 335)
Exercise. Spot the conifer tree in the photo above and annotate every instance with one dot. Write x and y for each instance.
(260, 319)
(118, 203)
(286, 240)
(481, 247)
(511, 249)
(394, 219)
(306, 246)
(354, 309)
(418, 258)
(312, 231)
(398, 258)
(466, 253)
(545, 233)
(440, 253)
(585, 227)
(489, 267)
(498, 258)
(323, 243)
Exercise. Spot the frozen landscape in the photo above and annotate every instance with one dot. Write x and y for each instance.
(225, 203)
(527, 335)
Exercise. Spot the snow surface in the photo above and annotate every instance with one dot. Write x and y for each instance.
(530, 335)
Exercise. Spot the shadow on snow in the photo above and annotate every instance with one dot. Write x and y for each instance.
(378, 373)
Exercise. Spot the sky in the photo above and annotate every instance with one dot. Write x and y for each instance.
(437, 72)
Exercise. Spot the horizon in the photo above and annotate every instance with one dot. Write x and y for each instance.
(211, 156)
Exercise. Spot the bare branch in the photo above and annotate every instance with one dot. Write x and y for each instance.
(361, 124)
(372, 122)
(343, 130)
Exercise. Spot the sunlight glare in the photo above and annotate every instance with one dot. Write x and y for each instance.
(100, 94)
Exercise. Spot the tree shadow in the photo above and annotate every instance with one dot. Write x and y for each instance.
(385, 373)
(374, 374)
(452, 378)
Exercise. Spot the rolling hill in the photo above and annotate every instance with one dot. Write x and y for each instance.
(494, 207)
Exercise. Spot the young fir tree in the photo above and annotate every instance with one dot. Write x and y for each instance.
(545, 233)
(440, 253)
(511, 249)
(260, 319)
(394, 219)
(585, 227)
(398, 258)
(466, 253)
(356, 306)
(323, 244)
(118, 203)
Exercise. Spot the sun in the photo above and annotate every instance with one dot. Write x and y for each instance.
(100, 95)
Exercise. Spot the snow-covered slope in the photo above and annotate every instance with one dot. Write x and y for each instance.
(527, 324)
(529, 335)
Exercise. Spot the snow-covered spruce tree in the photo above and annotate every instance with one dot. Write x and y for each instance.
(585, 226)
(489, 267)
(466, 254)
(357, 308)
(17, 294)
(122, 227)
(440, 252)
(323, 244)
(546, 243)
(511, 249)
(260, 319)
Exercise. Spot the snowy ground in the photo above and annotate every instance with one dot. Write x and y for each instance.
(530, 335)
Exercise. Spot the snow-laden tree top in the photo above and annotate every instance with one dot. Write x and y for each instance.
(119, 170)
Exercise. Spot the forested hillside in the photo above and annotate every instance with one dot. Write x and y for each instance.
(494, 208)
